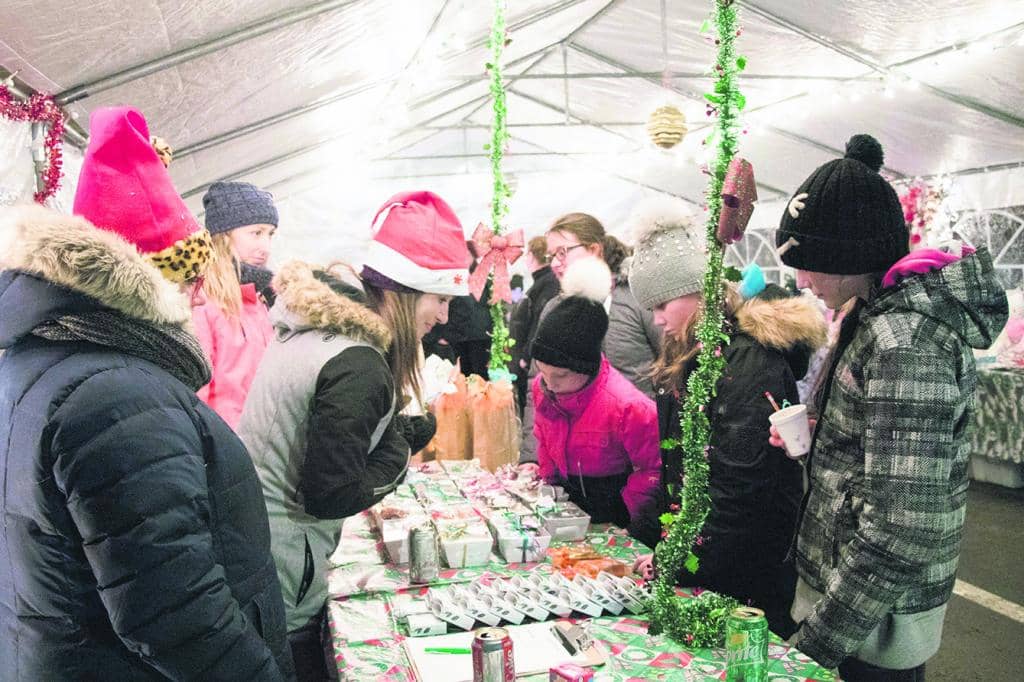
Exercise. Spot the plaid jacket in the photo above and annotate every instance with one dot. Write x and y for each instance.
(884, 513)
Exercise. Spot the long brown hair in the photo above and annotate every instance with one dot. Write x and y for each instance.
(588, 230)
(221, 284)
(399, 313)
(670, 369)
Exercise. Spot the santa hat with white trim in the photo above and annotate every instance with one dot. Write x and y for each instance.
(419, 246)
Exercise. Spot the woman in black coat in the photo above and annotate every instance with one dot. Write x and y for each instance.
(136, 544)
(755, 488)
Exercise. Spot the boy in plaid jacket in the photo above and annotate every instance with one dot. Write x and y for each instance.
(879, 538)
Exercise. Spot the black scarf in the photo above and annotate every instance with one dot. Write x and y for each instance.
(168, 346)
(261, 277)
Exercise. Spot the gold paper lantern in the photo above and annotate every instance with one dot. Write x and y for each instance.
(667, 126)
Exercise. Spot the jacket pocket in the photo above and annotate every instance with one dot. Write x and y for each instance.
(841, 522)
(269, 620)
(739, 436)
(308, 571)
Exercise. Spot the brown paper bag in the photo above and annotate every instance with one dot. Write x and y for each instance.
(495, 424)
(454, 437)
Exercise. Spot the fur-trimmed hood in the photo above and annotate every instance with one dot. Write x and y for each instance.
(783, 324)
(304, 302)
(72, 253)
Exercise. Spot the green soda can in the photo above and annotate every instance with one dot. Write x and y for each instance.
(746, 646)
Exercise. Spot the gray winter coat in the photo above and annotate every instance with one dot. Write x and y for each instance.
(879, 539)
(633, 341)
(318, 423)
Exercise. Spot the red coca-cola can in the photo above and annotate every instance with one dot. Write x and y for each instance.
(492, 656)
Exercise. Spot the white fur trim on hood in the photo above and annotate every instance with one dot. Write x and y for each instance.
(71, 252)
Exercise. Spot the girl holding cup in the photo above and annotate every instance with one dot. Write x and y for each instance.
(755, 488)
(881, 528)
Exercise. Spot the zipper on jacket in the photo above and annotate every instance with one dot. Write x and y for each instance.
(842, 343)
(565, 448)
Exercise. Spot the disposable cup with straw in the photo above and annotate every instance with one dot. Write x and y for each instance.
(793, 427)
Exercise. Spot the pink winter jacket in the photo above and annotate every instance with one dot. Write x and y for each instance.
(235, 348)
(609, 428)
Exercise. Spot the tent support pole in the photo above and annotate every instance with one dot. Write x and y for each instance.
(696, 97)
(565, 41)
(585, 121)
(274, 23)
(38, 153)
(167, 61)
(263, 165)
(71, 129)
(625, 137)
(565, 80)
(966, 102)
(255, 126)
(313, 106)
(583, 75)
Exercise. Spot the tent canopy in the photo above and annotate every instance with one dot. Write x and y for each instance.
(335, 105)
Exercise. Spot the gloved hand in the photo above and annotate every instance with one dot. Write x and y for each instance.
(416, 430)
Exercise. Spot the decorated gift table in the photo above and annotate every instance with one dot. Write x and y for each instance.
(369, 592)
(997, 440)
(367, 646)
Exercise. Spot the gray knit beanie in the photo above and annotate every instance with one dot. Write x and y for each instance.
(229, 205)
(669, 257)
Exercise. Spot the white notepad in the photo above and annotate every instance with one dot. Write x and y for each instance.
(536, 649)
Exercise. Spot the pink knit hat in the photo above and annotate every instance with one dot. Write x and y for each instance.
(419, 245)
(124, 187)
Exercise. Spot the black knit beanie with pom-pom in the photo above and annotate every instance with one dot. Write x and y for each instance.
(850, 221)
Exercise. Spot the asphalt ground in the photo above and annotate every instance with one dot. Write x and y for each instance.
(983, 637)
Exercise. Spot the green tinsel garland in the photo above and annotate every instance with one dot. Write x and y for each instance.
(700, 621)
(500, 340)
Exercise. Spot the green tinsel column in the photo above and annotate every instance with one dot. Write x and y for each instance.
(700, 621)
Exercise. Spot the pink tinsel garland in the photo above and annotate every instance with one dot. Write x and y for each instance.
(40, 108)
(920, 203)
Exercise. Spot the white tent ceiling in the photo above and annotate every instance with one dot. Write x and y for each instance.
(335, 105)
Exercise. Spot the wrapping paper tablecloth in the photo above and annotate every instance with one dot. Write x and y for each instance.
(367, 645)
(361, 565)
(367, 638)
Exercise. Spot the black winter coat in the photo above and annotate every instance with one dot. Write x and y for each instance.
(526, 316)
(755, 488)
(136, 543)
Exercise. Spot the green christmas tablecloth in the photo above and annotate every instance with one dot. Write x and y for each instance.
(367, 638)
(998, 432)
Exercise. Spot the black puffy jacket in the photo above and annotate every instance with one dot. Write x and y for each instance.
(755, 489)
(135, 539)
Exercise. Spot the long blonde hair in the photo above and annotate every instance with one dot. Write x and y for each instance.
(222, 283)
(399, 313)
(670, 369)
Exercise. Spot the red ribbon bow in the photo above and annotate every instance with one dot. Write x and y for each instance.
(496, 252)
(739, 192)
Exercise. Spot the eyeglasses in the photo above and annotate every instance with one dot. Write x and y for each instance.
(561, 252)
